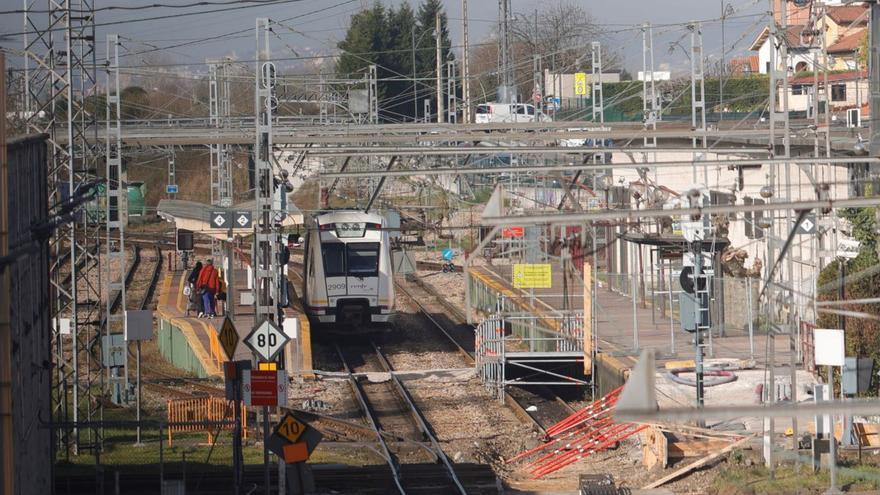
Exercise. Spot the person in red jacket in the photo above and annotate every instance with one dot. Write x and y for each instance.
(208, 285)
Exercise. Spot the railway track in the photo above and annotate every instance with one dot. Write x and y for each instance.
(364, 480)
(388, 407)
(548, 408)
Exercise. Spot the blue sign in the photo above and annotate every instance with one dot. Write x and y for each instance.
(448, 254)
(171, 189)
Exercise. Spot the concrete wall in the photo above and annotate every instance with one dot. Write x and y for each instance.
(736, 294)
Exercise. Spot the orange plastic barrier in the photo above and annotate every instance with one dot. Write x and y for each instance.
(205, 410)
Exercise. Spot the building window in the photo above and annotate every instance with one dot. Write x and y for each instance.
(838, 92)
(801, 67)
(753, 220)
(799, 89)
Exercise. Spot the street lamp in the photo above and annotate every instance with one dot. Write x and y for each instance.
(726, 10)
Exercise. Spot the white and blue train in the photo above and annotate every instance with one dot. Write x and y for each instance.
(348, 274)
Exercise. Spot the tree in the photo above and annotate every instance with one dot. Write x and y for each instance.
(426, 59)
(862, 334)
(365, 39)
(402, 32)
(561, 33)
(134, 103)
(385, 37)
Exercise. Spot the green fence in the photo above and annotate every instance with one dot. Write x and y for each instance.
(174, 347)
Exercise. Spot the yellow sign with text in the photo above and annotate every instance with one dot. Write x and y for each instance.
(532, 276)
(580, 83)
(290, 428)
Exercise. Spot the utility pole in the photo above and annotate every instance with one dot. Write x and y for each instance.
(770, 386)
(792, 345)
(414, 90)
(465, 66)
(439, 69)
(874, 84)
(507, 93)
(723, 67)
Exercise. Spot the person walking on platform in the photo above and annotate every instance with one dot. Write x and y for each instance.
(209, 285)
(194, 298)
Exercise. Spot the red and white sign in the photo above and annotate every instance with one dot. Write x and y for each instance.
(513, 232)
(264, 388)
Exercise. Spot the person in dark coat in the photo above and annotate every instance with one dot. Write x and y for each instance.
(195, 299)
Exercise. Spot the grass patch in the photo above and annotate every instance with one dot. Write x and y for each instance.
(737, 479)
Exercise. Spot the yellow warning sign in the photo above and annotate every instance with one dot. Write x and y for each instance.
(228, 338)
(532, 276)
(290, 428)
(580, 83)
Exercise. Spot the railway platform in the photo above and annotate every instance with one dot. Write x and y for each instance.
(548, 324)
(192, 343)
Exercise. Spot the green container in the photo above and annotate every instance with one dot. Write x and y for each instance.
(137, 203)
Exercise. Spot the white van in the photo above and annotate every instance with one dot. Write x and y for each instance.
(508, 112)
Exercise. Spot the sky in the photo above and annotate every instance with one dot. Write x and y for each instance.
(313, 27)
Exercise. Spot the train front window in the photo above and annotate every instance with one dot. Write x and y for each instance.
(363, 259)
(334, 259)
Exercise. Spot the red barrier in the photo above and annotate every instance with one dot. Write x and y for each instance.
(590, 430)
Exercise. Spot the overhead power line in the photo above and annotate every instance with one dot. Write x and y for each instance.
(143, 7)
(166, 16)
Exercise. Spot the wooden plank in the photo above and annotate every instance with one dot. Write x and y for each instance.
(695, 448)
(654, 448)
(696, 465)
(697, 431)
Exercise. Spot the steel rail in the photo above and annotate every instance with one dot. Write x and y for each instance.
(458, 347)
(509, 400)
(420, 419)
(633, 215)
(594, 166)
(361, 398)
(154, 280)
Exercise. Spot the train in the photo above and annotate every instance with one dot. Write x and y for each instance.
(348, 279)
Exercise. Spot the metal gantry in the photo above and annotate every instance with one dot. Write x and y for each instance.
(698, 95)
(59, 67)
(115, 219)
(451, 109)
(373, 94)
(266, 277)
(598, 98)
(651, 111)
(219, 104)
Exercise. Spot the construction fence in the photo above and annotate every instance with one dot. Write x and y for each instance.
(651, 304)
